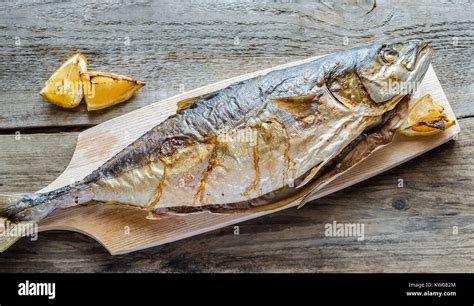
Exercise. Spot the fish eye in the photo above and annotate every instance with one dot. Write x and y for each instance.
(389, 55)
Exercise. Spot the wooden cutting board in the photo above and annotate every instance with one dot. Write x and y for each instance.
(124, 230)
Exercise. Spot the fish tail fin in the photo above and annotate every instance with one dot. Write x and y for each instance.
(20, 210)
(6, 210)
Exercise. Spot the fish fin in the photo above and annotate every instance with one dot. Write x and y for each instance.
(5, 240)
(295, 99)
(310, 176)
(189, 102)
(315, 171)
(296, 104)
(10, 206)
(186, 103)
(23, 209)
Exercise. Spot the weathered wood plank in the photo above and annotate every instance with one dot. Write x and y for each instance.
(29, 161)
(177, 46)
(406, 229)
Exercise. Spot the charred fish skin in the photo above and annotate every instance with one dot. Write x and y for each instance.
(297, 119)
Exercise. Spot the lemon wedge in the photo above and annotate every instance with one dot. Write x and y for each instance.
(64, 87)
(425, 118)
(103, 89)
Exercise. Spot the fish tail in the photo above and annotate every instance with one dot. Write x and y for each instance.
(29, 209)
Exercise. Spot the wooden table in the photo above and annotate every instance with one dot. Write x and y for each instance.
(425, 226)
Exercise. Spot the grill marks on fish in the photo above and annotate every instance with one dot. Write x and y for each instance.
(289, 164)
(256, 181)
(269, 144)
(159, 189)
(211, 164)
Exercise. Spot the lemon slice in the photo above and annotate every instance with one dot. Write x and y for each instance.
(103, 89)
(64, 87)
(425, 118)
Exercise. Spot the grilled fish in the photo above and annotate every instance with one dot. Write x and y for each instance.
(255, 141)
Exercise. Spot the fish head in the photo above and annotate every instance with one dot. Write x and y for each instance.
(390, 70)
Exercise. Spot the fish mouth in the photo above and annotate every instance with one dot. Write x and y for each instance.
(423, 47)
(420, 53)
(423, 56)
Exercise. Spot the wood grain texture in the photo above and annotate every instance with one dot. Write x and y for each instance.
(177, 46)
(407, 229)
(191, 43)
(42, 153)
